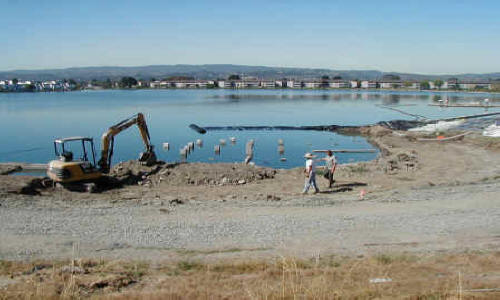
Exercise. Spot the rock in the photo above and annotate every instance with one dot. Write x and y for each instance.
(72, 270)
(175, 201)
(242, 181)
(225, 180)
(273, 198)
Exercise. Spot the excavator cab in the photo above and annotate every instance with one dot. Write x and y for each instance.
(68, 168)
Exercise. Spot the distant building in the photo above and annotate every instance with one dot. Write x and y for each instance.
(455, 84)
(237, 84)
(473, 85)
(267, 84)
(311, 84)
(221, 84)
(154, 84)
(368, 84)
(414, 85)
(251, 84)
(389, 84)
(338, 84)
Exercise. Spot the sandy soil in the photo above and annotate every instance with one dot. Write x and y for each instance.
(420, 196)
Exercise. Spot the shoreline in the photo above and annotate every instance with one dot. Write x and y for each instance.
(269, 89)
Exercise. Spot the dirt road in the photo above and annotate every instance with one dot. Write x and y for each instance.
(435, 219)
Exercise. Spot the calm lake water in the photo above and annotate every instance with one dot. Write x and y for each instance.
(31, 121)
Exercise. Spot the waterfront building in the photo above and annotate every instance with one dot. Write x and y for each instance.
(311, 84)
(474, 85)
(338, 84)
(268, 84)
(251, 84)
(389, 84)
(368, 84)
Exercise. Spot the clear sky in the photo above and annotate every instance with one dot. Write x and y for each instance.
(448, 36)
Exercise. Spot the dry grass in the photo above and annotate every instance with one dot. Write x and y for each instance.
(445, 276)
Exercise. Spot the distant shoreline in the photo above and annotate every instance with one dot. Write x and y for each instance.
(264, 89)
(302, 89)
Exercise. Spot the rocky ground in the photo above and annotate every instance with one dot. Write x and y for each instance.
(417, 196)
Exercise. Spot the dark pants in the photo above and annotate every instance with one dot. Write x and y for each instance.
(329, 176)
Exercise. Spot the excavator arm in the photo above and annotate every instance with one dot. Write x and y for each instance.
(107, 142)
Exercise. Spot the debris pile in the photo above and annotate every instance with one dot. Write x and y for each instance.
(403, 161)
(133, 172)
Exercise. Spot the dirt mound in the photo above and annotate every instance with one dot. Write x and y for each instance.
(132, 172)
(369, 131)
(374, 131)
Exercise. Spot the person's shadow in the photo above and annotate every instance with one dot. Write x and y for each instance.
(345, 187)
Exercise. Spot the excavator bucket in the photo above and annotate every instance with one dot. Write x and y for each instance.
(148, 158)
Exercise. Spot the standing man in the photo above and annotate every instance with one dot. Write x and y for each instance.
(331, 165)
(310, 172)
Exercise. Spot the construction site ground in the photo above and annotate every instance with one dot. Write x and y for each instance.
(417, 197)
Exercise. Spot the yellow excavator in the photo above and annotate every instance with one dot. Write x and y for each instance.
(67, 169)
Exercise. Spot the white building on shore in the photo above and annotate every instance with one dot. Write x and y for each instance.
(368, 84)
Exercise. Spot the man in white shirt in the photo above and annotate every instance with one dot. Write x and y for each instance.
(310, 172)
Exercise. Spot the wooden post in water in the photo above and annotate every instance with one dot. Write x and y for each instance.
(183, 153)
(249, 151)
(281, 149)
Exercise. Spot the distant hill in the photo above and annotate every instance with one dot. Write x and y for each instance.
(215, 71)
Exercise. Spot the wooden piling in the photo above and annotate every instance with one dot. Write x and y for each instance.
(249, 151)
(281, 149)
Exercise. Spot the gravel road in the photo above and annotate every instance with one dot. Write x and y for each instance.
(439, 218)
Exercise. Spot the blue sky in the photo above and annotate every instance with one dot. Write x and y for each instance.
(404, 36)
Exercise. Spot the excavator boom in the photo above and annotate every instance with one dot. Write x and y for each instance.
(107, 141)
